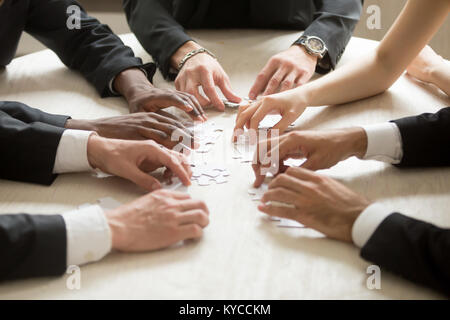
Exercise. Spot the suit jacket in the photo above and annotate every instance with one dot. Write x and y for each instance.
(29, 139)
(158, 24)
(93, 49)
(415, 249)
(30, 245)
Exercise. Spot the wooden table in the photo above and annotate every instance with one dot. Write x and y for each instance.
(241, 256)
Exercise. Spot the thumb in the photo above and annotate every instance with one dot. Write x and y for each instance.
(310, 164)
(225, 87)
(144, 180)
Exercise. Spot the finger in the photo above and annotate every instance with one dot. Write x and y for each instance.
(281, 195)
(143, 180)
(225, 87)
(259, 114)
(194, 90)
(283, 124)
(302, 79)
(303, 174)
(178, 102)
(291, 183)
(261, 81)
(310, 164)
(192, 204)
(153, 134)
(172, 194)
(274, 82)
(197, 104)
(167, 117)
(246, 115)
(209, 88)
(276, 211)
(184, 162)
(288, 82)
(196, 216)
(172, 162)
(174, 133)
(259, 178)
(190, 231)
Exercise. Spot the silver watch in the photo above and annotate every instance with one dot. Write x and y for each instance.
(314, 46)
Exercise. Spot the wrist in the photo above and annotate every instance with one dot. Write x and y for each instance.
(96, 150)
(300, 49)
(77, 124)
(117, 227)
(131, 81)
(178, 56)
(355, 142)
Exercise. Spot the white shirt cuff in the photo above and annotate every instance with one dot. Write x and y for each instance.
(71, 155)
(384, 142)
(367, 222)
(88, 235)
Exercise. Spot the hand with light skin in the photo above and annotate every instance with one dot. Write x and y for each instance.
(205, 71)
(159, 126)
(157, 220)
(430, 67)
(284, 71)
(288, 104)
(367, 76)
(322, 149)
(133, 160)
(316, 201)
(142, 96)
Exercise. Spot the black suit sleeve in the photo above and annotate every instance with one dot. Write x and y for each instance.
(28, 143)
(425, 139)
(334, 22)
(32, 246)
(414, 249)
(158, 32)
(94, 50)
(27, 114)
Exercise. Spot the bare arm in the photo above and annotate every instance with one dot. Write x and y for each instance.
(366, 77)
(376, 73)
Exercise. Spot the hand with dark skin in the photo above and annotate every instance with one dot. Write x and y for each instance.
(142, 96)
(321, 148)
(316, 201)
(160, 126)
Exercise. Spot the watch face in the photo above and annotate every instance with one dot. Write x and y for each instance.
(315, 44)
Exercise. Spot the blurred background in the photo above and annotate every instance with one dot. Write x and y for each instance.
(110, 12)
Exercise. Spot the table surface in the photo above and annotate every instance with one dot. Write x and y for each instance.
(241, 256)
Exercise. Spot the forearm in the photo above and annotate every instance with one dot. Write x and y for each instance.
(374, 73)
(366, 77)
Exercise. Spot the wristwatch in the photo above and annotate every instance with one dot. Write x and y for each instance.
(313, 45)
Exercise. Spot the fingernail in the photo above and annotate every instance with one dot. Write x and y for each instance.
(155, 186)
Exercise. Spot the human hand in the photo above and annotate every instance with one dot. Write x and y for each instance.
(289, 104)
(425, 64)
(142, 96)
(157, 220)
(133, 160)
(317, 201)
(159, 126)
(322, 149)
(205, 71)
(286, 70)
